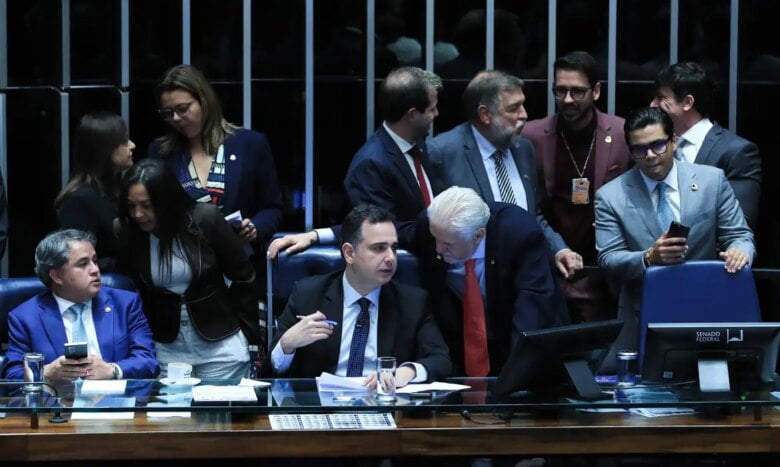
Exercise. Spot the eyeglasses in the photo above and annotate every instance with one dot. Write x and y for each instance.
(639, 151)
(577, 94)
(181, 110)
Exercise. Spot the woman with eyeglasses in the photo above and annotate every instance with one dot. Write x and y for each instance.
(180, 252)
(101, 152)
(215, 161)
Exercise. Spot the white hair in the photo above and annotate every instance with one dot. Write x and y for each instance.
(459, 210)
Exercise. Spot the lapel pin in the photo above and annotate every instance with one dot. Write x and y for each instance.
(107, 309)
(525, 176)
(608, 139)
(232, 157)
(694, 187)
(492, 262)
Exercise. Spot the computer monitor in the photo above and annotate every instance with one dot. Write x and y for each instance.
(546, 358)
(717, 355)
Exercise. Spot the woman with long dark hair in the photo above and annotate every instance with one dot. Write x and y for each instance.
(180, 253)
(101, 151)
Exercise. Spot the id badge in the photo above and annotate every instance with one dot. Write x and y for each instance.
(580, 188)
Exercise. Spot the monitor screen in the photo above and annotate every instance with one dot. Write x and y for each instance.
(546, 358)
(720, 356)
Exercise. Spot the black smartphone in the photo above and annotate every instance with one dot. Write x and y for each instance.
(75, 350)
(677, 230)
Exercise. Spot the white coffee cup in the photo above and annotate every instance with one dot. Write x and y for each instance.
(178, 371)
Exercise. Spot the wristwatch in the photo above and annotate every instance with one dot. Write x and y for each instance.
(116, 370)
(646, 259)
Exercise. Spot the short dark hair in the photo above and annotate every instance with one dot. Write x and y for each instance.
(54, 251)
(351, 229)
(485, 89)
(646, 116)
(686, 78)
(579, 61)
(404, 88)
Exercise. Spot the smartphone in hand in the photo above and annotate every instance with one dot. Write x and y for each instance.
(75, 350)
(677, 230)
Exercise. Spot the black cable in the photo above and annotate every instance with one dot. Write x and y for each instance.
(502, 416)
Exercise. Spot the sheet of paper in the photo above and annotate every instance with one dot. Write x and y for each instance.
(651, 412)
(330, 382)
(434, 386)
(84, 402)
(234, 219)
(253, 383)
(210, 393)
(107, 386)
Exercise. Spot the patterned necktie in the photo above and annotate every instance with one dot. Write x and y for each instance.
(416, 154)
(79, 332)
(475, 348)
(504, 185)
(664, 211)
(357, 348)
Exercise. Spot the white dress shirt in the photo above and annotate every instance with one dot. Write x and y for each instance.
(93, 345)
(486, 149)
(694, 139)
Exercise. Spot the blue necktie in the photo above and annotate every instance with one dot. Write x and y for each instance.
(79, 333)
(357, 348)
(664, 211)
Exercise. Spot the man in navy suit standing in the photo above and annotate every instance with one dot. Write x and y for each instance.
(77, 309)
(685, 92)
(392, 169)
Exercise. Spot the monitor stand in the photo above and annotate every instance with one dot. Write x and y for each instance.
(584, 381)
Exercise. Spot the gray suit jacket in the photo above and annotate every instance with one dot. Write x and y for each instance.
(455, 158)
(626, 226)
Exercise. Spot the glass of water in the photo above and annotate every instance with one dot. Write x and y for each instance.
(33, 372)
(385, 379)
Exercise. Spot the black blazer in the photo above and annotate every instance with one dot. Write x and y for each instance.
(212, 250)
(406, 327)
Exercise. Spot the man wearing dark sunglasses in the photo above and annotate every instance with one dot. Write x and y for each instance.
(578, 150)
(634, 213)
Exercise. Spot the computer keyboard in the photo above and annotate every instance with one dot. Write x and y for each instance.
(334, 421)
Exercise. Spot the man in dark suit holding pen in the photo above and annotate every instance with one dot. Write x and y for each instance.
(376, 316)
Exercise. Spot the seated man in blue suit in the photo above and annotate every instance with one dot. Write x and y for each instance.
(77, 309)
(372, 315)
(634, 211)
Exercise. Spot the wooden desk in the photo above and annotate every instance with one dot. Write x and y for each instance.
(221, 435)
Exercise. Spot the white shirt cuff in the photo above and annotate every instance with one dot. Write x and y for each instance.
(421, 375)
(326, 235)
(280, 360)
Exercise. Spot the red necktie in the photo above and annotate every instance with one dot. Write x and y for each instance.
(416, 153)
(475, 347)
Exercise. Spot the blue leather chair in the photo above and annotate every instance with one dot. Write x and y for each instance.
(286, 270)
(697, 291)
(16, 290)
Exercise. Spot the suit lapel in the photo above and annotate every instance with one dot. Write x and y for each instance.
(233, 167)
(51, 320)
(103, 317)
(603, 151)
(710, 141)
(436, 187)
(639, 199)
(388, 321)
(526, 170)
(474, 158)
(685, 180)
(401, 165)
(333, 308)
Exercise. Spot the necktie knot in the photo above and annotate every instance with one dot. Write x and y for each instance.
(498, 157)
(415, 152)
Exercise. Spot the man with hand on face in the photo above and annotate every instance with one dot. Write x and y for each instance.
(342, 322)
(634, 211)
(77, 309)
(578, 150)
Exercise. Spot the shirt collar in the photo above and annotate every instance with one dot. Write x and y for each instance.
(402, 144)
(486, 148)
(696, 134)
(64, 305)
(351, 295)
(670, 180)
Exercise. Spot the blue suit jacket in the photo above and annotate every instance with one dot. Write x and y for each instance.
(741, 161)
(251, 184)
(380, 175)
(457, 161)
(627, 225)
(521, 292)
(123, 333)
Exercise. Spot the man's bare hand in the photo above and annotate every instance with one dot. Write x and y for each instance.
(291, 244)
(310, 328)
(67, 369)
(568, 262)
(735, 259)
(669, 250)
(247, 232)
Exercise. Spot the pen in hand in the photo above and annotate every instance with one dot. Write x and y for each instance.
(327, 321)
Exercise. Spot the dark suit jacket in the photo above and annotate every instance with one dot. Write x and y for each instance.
(213, 252)
(251, 184)
(122, 331)
(380, 175)
(611, 159)
(741, 161)
(3, 218)
(406, 327)
(521, 293)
